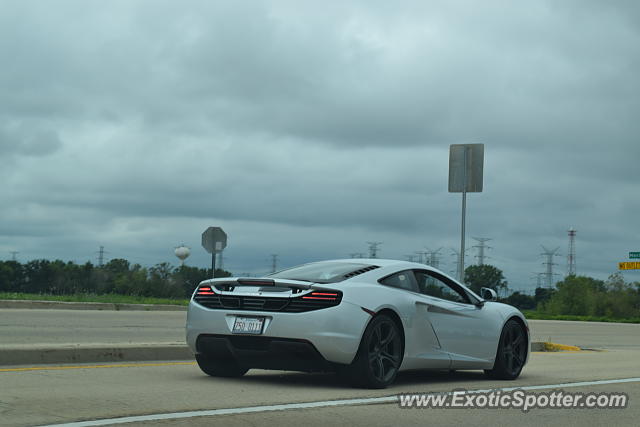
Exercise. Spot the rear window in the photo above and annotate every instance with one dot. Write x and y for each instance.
(321, 272)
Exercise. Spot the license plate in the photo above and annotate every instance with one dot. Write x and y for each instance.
(248, 325)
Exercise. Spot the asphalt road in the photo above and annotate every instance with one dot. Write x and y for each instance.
(22, 326)
(43, 395)
(47, 395)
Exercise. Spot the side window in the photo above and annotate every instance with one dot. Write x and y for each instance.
(435, 285)
(403, 280)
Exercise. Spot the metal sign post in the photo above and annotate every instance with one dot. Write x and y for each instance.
(214, 240)
(466, 164)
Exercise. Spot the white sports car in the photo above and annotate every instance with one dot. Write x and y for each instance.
(365, 318)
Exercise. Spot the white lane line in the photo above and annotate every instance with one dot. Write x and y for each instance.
(319, 404)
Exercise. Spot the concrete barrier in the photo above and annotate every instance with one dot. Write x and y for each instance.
(62, 305)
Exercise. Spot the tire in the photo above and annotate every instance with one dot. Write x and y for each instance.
(227, 368)
(512, 352)
(379, 356)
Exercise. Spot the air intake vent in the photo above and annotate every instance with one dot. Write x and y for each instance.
(361, 271)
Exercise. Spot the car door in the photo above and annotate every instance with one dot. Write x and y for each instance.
(422, 348)
(465, 330)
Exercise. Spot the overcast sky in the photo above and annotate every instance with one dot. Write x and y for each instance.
(306, 129)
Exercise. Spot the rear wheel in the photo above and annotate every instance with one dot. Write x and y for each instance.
(379, 356)
(512, 352)
(220, 367)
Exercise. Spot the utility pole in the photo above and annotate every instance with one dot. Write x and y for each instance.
(549, 254)
(571, 254)
(274, 262)
(481, 246)
(13, 255)
(373, 249)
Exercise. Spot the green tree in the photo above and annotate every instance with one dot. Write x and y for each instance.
(521, 301)
(543, 295)
(485, 276)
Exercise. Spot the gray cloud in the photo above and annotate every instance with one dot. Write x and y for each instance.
(307, 129)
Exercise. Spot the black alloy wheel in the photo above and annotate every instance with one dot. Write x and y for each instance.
(512, 352)
(380, 354)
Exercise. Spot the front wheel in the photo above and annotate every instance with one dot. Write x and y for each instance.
(512, 352)
(379, 356)
(228, 368)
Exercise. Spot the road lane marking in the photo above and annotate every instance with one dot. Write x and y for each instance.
(122, 365)
(308, 405)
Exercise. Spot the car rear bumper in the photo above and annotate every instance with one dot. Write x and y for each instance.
(332, 333)
(264, 352)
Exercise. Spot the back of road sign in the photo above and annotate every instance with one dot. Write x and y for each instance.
(466, 163)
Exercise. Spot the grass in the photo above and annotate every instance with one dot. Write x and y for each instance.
(107, 298)
(536, 315)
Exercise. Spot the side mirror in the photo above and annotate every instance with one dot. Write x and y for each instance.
(488, 294)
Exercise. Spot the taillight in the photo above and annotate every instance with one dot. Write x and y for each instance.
(205, 290)
(327, 296)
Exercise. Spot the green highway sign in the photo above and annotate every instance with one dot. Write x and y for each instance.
(634, 254)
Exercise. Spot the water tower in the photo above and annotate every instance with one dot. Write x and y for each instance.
(182, 252)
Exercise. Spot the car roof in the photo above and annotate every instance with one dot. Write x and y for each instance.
(379, 262)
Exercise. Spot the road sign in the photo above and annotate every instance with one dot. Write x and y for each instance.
(629, 265)
(466, 164)
(214, 240)
(634, 254)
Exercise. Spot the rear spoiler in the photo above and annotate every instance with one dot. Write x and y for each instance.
(261, 282)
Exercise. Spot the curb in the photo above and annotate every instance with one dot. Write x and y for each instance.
(63, 305)
(100, 353)
(92, 353)
(550, 346)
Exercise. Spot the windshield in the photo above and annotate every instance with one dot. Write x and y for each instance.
(320, 272)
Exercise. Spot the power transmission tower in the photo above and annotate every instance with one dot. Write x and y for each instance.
(101, 253)
(456, 253)
(571, 256)
(410, 258)
(538, 277)
(356, 255)
(549, 254)
(373, 249)
(421, 256)
(432, 258)
(274, 262)
(13, 255)
(481, 246)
